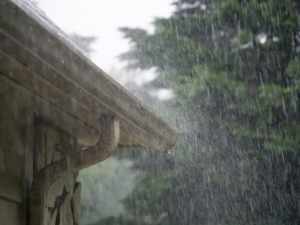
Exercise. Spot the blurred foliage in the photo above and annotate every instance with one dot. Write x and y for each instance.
(104, 185)
(234, 66)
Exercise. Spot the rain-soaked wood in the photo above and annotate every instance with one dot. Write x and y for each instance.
(76, 203)
(9, 213)
(32, 35)
(12, 93)
(11, 187)
(130, 136)
(109, 138)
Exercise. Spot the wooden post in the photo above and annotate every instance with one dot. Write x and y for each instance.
(109, 138)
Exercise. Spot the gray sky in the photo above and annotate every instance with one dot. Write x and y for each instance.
(102, 18)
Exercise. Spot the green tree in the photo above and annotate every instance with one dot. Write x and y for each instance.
(103, 187)
(234, 67)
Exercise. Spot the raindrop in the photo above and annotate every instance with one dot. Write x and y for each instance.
(262, 38)
(203, 7)
(275, 39)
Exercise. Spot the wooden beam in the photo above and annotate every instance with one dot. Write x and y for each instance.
(12, 69)
(27, 78)
(12, 93)
(109, 138)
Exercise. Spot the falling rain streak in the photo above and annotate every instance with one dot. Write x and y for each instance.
(228, 75)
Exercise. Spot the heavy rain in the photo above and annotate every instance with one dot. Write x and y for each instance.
(219, 81)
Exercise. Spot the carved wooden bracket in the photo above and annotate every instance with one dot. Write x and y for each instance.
(109, 138)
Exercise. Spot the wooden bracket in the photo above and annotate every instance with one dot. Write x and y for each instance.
(109, 139)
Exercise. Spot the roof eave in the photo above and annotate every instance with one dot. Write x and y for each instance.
(46, 50)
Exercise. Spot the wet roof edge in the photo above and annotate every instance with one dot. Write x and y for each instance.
(31, 28)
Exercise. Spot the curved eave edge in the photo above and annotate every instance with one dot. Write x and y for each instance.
(55, 48)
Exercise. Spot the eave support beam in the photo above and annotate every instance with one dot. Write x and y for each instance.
(108, 142)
